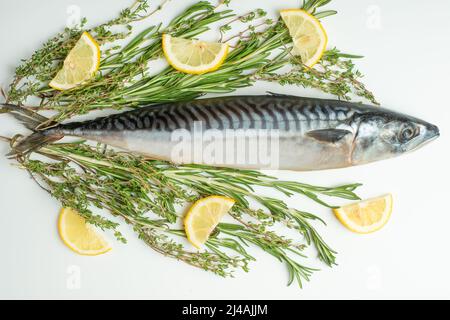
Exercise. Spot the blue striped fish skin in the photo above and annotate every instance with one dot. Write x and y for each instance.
(242, 112)
(313, 134)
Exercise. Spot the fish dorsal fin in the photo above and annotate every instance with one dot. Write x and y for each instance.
(328, 135)
(281, 95)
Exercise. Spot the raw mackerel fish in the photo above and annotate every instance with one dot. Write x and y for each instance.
(270, 131)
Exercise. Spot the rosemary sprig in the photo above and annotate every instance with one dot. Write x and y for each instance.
(82, 177)
(45, 62)
(124, 81)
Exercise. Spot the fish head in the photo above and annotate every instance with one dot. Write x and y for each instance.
(384, 134)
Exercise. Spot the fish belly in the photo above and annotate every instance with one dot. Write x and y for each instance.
(246, 149)
(307, 154)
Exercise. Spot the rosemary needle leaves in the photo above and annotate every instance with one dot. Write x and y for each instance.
(82, 177)
(125, 81)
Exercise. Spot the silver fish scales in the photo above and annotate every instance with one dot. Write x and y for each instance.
(296, 133)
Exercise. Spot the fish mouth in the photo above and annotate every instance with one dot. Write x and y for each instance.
(434, 137)
(431, 135)
(434, 130)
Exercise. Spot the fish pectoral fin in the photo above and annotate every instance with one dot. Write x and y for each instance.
(328, 135)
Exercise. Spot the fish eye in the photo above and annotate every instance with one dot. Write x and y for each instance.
(407, 133)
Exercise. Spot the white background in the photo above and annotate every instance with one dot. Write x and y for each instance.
(406, 48)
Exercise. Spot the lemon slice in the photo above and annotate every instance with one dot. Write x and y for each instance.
(80, 64)
(366, 216)
(193, 56)
(309, 37)
(204, 215)
(80, 236)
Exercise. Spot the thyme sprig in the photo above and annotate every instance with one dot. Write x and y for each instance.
(46, 61)
(125, 81)
(334, 74)
(145, 193)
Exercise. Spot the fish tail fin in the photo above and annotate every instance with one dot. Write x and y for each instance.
(34, 142)
(32, 121)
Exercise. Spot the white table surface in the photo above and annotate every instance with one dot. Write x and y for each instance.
(406, 44)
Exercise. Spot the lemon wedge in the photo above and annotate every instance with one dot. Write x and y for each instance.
(204, 215)
(193, 56)
(309, 36)
(366, 216)
(80, 236)
(80, 64)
